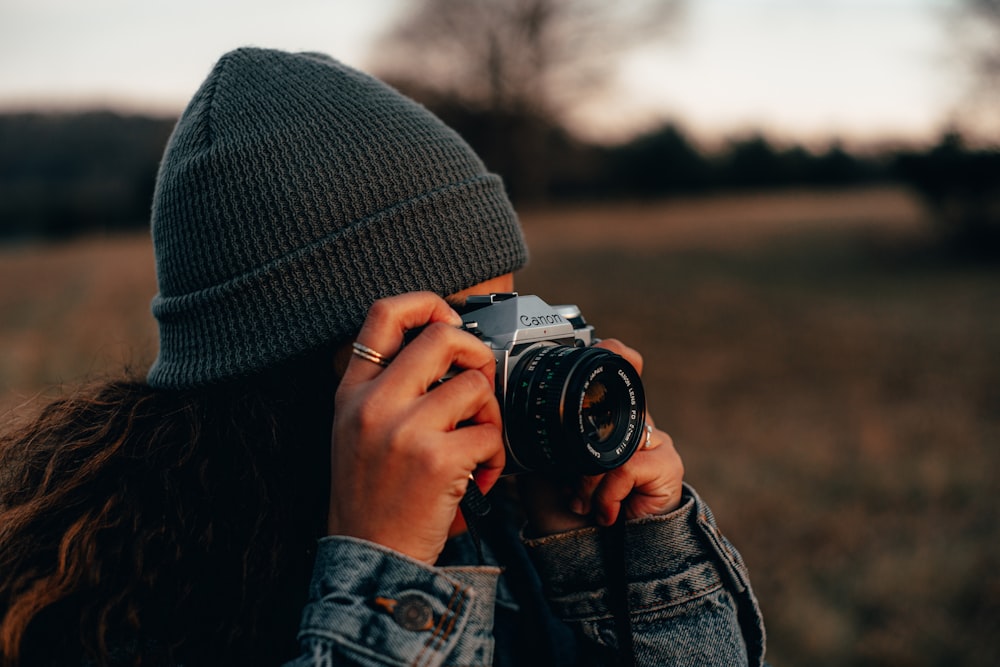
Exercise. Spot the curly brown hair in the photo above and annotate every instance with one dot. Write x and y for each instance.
(143, 526)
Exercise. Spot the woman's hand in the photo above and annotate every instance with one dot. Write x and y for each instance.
(401, 453)
(649, 483)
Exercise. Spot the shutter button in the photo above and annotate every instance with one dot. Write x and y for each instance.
(413, 613)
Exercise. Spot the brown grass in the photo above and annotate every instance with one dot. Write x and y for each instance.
(832, 382)
(73, 310)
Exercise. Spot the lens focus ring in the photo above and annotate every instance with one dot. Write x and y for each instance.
(575, 409)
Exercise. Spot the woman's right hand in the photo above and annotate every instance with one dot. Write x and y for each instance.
(401, 453)
(649, 483)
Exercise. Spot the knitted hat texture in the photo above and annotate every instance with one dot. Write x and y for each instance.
(293, 193)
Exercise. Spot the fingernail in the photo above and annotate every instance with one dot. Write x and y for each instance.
(576, 506)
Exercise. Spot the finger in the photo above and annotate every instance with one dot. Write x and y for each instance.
(388, 320)
(614, 345)
(662, 493)
(581, 503)
(480, 447)
(486, 476)
(438, 349)
(660, 439)
(650, 483)
(653, 437)
(466, 398)
(614, 488)
(582, 493)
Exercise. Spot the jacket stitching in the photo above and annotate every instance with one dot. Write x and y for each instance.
(434, 637)
(460, 601)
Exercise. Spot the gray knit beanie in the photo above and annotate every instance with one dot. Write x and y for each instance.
(294, 192)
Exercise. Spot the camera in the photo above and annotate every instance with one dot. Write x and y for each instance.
(567, 406)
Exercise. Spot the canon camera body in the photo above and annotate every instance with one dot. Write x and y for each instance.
(567, 406)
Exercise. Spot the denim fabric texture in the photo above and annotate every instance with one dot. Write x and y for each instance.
(350, 618)
(688, 590)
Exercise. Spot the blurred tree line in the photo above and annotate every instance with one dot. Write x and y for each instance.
(64, 174)
(506, 74)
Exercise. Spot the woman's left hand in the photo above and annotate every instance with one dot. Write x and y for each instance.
(649, 483)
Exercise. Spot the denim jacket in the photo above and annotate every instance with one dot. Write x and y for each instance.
(688, 593)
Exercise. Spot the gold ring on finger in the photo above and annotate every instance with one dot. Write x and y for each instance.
(368, 354)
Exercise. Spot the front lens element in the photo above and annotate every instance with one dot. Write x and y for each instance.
(575, 409)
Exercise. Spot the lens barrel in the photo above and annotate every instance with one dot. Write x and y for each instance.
(573, 409)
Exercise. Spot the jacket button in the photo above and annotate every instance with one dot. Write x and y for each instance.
(413, 613)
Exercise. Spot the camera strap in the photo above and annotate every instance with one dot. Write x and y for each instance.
(613, 551)
(474, 507)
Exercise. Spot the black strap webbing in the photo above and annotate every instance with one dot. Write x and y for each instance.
(613, 550)
(474, 507)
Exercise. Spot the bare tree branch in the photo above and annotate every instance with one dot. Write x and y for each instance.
(519, 56)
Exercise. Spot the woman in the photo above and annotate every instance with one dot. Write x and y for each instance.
(307, 219)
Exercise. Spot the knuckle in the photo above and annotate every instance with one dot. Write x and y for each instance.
(380, 313)
(636, 359)
(438, 464)
(612, 344)
(443, 336)
(425, 456)
(678, 461)
(667, 440)
(369, 413)
(631, 354)
(398, 443)
(438, 333)
(672, 458)
(474, 383)
(408, 443)
(469, 389)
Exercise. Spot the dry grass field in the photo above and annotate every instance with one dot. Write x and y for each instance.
(831, 379)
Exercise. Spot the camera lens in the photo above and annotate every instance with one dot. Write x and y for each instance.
(578, 409)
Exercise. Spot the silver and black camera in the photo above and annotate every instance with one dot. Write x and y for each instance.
(567, 406)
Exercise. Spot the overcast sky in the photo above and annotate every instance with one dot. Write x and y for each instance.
(800, 69)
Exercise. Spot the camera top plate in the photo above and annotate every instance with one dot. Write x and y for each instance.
(506, 319)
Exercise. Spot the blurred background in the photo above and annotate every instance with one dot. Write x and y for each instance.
(792, 209)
